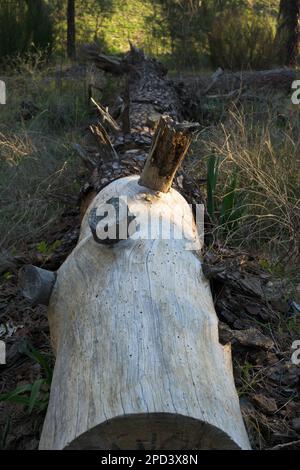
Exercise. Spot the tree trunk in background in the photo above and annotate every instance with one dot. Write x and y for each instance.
(71, 48)
(288, 32)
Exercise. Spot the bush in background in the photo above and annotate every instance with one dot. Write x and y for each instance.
(24, 25)
(241, 40)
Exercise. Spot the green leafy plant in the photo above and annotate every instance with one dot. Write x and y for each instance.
(7, 276)
(47, 250)
(33, 396)
(231, 207)
(226, 210)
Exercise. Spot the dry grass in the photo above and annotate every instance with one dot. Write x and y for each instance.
(38, 168)
(262, 146)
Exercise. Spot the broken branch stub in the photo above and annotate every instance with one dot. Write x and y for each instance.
(135, 333)
(36, 284)
(105, 116)
(170, 145)
(106, 149)
(111, 222)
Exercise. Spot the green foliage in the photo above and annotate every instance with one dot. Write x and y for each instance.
(183, 33)
(242, 40)
(212, 178)
(33, 396)
(231, 209)
(7, 276)
(24, 25)
(224, 210)
(38, 25)
(47, 250)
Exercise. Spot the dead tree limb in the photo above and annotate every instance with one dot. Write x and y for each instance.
(106, 150)
(36, 284)
(226, 82)
(105, 116)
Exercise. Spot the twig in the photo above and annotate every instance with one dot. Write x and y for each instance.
(106, 116)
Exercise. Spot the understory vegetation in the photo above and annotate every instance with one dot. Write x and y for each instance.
(248, 155)
(245, 159)
(253, 183)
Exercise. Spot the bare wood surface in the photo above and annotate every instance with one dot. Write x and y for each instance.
(138, 361)
(36, 284)
(106, 150)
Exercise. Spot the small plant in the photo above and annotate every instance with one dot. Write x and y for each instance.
(48, 250)
(7, 276)
(226, 210)
(33, 396)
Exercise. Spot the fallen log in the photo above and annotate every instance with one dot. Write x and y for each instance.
(134, 330)
(147, 95)
(226, 82)
(151, 93)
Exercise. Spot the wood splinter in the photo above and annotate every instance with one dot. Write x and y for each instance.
(169, 147)
(36, 284)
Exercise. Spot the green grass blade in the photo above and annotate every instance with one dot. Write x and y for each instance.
(35, 391)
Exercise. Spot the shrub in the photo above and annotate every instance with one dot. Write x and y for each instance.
(24, 25)
(242, 40)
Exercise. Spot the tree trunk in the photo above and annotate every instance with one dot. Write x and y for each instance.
(132, 321)
(135, 333)
(227, 82)
(288, 32)
(149, 91)
(134, 330)
(71, 36)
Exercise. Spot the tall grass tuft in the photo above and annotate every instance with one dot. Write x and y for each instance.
(254, 189)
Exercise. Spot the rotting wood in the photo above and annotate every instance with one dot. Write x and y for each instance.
(135, 333)
(170, 145)
(149, 89)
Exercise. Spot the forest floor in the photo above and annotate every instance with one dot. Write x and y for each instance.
(257, 302)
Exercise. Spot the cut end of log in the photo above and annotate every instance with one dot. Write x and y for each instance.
(170, 145)
(36, 284)
(153, 431)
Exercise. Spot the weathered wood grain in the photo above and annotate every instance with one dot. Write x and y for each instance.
(36, 284)
(133, 326)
